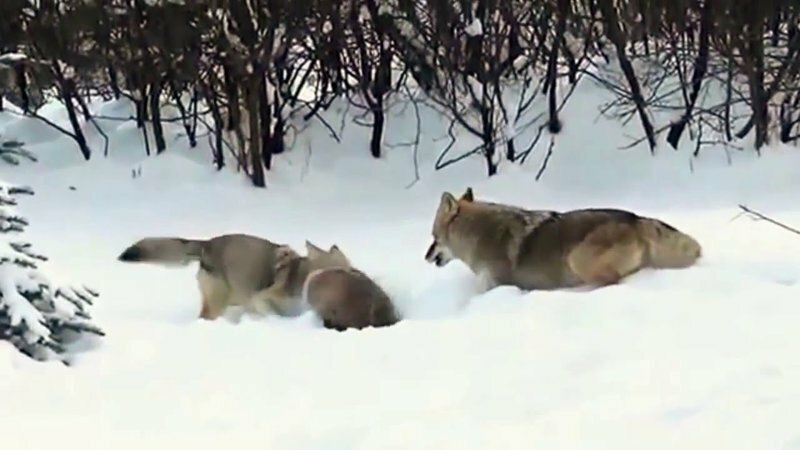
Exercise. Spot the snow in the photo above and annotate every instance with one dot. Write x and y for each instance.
(14, 277)
(20, 309)
(475, 28)
(12, 57)
(695, 359)
(34, 311)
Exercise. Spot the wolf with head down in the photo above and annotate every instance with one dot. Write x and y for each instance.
(545, 250)
(236, 270)
(342, 297)
(266, 277)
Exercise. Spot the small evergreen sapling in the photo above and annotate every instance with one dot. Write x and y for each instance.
(37, 317)
(12, 151)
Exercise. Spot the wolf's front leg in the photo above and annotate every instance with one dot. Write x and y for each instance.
(261, 302)
(287, 305)
(486, 281)
(275, 300)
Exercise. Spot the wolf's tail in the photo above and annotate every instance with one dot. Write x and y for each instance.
(668, 247)
(165, 251)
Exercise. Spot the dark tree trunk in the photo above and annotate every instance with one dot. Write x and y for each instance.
(382, 84)
(726, 114)
(775, 24)
(67, 95)
(22, 84)
(113, 81)
(616, 37)
(155, 111)
(145, 109)
(785, 118)
(572, 64)
(193, 130)
(378, 120)
(247, 20)
(265, 117)
(219, 125)
(698, 75)
(755, 72)
(232, 93)
(758, 94)
(87, 115)
(219, 154)
(276, 140)
(642, 10)
(140, 102)
(146, 140)
(474, 46)
(141, 106)
(488, 140)
(553, 123)
(185, 119)
(511, 150)
(254, 139)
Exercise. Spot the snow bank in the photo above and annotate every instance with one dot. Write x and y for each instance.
(697, 359)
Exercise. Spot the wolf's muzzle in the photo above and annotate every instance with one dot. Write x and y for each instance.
(435, 256)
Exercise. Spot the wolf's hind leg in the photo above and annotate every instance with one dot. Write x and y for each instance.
(214, 292)
(607, 254)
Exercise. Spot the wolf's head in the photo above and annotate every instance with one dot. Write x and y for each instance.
(322, 259)
(439, 252)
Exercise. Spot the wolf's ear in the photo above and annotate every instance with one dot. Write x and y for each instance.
(335, 250)
(313, 250)
(337, 253)
(468, 196)
(448, 204)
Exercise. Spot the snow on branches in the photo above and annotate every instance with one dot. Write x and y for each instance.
(37, 316)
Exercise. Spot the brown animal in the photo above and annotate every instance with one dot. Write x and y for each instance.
(347, 298)
(234, 270)
(339, 294)
(531, 249)
(291, 270)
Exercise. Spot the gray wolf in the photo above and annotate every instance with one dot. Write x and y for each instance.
(543, 250)
(233, 269)
(340, 295)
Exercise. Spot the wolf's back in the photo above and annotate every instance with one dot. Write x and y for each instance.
(666, 246)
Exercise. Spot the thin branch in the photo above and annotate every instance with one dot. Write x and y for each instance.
(546, 158)
(45, 120)
(415, 151)
(760, 216)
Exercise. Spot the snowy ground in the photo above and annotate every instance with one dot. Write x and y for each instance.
(704, 358)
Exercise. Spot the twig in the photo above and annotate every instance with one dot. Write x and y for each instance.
(639, 140)
(546, 158)
(102, 133)
(46, 121)
(210, 129)
(524, 155)
(324, 123)
(306, 163)
(449, 145)
(415, 143)
(760, 216)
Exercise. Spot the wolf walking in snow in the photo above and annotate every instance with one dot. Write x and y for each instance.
(235, 269)
(530, 249)
(339, 294)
